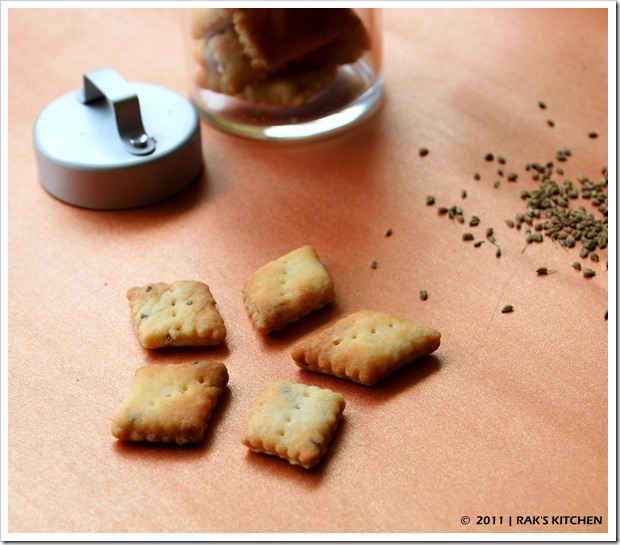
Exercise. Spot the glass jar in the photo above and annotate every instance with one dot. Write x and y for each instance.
(285, 73)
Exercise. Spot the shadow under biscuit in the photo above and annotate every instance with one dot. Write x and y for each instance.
(184, 354)
(405, 378)
(314, 321)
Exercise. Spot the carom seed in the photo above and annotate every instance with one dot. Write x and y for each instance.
(541, 271)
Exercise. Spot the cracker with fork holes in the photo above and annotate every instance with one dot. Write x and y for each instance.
(170, 402)
(285, 290)
(293, 421)
(182, 313)
(366, 346)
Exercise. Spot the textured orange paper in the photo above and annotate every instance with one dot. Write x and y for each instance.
(508, 418)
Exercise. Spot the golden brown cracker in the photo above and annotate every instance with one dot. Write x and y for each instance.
(182, 313)
(170, 403)
(227, 63)
(289, 88)
(293, 421)
(278, 57)
(366, 346)
(287, 289)
(274, 37)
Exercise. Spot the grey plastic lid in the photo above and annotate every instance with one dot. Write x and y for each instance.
(114, 145)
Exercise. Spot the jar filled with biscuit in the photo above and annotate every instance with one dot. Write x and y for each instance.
(285, 73)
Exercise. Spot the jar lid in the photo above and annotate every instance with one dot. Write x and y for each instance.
(115, 145)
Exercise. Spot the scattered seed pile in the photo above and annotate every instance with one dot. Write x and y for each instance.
(549, 210)
(556, 209)
(549, 207)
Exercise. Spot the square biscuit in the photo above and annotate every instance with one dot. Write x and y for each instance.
(170, 403)
(183, 313)
(366, 346)
(274, 38)
(287, 289)
(294, 422)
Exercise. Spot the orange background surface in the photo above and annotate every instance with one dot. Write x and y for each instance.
(509, 417)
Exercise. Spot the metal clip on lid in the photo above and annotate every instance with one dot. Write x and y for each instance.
(107, 83)
(93, 149)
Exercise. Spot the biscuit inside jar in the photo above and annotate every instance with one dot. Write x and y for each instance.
(279, 57)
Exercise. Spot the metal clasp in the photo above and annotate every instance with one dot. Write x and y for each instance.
(107, 83)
